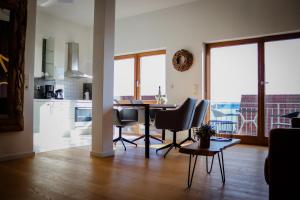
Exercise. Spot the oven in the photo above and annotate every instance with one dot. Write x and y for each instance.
(83, 114)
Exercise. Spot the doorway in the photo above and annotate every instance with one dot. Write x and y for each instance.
(63, 75)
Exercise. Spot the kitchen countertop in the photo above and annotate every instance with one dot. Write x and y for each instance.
(63, 100)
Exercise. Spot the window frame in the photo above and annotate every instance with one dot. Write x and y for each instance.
(260, 139)
(137, 69)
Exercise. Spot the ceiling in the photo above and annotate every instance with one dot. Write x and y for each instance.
(81, 11)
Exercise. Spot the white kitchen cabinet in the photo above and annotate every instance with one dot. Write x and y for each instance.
(37, 105)
(53, 117)
(61, 114)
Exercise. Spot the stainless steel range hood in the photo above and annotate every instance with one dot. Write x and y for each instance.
(73, 62)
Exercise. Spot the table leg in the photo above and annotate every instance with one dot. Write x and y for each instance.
(211, 165)
(221, 164)
(163, 135)
(147, 126)
(190, 176)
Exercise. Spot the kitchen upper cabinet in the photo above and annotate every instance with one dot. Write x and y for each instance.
(47, 67)
(48, 58)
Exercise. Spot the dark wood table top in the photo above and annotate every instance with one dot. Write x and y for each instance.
(215, 147)
(150, 105)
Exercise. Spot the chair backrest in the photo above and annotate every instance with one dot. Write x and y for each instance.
(200, 113)
(129, 114)
(187, 110)
(124, 116)
(116, 117)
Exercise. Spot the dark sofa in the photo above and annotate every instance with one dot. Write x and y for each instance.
(282, 166)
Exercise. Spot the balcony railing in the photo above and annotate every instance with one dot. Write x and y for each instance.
(241, 119)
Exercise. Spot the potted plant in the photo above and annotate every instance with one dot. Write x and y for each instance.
(204, 134)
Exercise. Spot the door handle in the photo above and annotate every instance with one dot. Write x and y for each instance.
(264, 82)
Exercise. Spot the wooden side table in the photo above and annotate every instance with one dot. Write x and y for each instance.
(216, 147)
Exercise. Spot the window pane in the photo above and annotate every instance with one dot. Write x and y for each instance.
(153, 75)
(124, 79)
(234, 75)
(282, 69)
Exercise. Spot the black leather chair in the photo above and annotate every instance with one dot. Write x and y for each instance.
(141, 119)
(176, 120)
(199, 116)
(122, 118)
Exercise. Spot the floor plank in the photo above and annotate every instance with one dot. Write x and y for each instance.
(73, 174)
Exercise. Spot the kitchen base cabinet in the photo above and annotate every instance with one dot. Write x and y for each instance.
(53, 118)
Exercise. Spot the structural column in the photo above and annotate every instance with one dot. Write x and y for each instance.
(103, 77)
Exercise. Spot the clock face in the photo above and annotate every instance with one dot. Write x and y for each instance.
(182, 60)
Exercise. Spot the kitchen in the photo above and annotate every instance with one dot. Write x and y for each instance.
(63, 81)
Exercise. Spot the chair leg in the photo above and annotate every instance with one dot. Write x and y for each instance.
(128, 141)
(155, 138)
(120, 138)
(151, 136)
(171, 147)
(164, 147)
(189, 138)
(123, 143)
(116, 140)
(177, 145)
(141, 137)
(175, 141)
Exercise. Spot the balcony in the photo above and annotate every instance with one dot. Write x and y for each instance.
(240, 118)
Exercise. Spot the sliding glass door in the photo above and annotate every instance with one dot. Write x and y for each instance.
(282, 72)
(253, 85)
(233, 91)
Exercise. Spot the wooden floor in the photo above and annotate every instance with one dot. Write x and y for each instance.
(73, 174)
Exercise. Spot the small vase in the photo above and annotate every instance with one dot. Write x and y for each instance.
(205, 142)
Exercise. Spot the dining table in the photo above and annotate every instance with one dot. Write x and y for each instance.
(147, 108)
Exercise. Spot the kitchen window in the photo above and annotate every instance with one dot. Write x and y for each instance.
(139, 76)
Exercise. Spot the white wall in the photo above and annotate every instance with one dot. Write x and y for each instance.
(13, 145)
(63, 31)
(190, 25)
